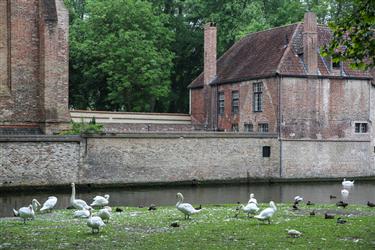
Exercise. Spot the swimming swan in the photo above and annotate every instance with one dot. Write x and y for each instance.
(25, 213)
(267, 213)
(100, 201)
(186, 208)
(77, 203)
(347, 183)
(49, 204)
(95, 222)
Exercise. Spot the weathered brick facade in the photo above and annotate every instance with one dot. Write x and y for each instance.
(34, 64)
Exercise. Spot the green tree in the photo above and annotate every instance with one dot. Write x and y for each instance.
(120, 57)
(353, 35)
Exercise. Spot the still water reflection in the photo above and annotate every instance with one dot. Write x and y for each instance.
(317, 192)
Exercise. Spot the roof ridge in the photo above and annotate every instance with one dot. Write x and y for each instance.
(270, 29)
(282, 59)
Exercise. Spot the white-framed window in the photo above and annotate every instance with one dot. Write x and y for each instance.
(263, 127)
(258, 97)
(248, 127)
(361, 127)
(220, 104)
(235, 102)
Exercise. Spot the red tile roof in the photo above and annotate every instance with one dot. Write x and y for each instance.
(262, 54)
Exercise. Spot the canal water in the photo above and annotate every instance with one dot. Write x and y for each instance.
(316, 192)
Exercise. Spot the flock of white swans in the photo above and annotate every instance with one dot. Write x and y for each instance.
(95, 222)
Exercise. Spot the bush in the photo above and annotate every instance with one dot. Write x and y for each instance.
(82, 127)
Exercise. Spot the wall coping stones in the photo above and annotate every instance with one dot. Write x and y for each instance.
(40, 138)
(183, 135)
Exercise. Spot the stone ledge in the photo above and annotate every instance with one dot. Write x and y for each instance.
(40, 138)
(183, 135)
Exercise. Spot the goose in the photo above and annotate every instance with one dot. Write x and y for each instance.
(250, 208)
(25, 213)
(84, 213)
(267, 213)
(77, 203)
(252, 199)
(297, 199)
(344, 194)
(95, 222)
(35, 203)
(100, 201)
(49, 204)
(347, 183)
(186, 208)
(105, 213)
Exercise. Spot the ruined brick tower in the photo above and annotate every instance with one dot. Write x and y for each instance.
(33, 66)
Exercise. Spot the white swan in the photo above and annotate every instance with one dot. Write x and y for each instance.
(186, 208)
(100, 201)
(49, 204)
(267, 213)
(25, 213)
(95, 222)
(84, 213)
(252, 199)
(344, 194)
(298, 199)
(35, 203)
(105, 213)
(347, 183)
(77, 203)
(250, 208)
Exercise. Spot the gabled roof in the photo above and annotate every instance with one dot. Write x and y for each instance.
(270, 52)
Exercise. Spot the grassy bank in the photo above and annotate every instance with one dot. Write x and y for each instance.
(214, 228)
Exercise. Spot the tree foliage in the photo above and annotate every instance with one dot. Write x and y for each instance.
(140, 55)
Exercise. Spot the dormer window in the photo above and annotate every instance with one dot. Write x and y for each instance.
(336, 65)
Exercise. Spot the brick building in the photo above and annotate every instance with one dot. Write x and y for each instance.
(277, 82)
(33, 66)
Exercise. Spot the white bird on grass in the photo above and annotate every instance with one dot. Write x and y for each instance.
(250, 208)
(49, 204)
(35, 203)
(186, 208)
(252, 199)
(347, 183)
(267, 213)
(25, 213)
(344, 194)
(100, 201)
(105, 213)
(77, 203)
(84, 213)
(293, 233)
(95, 222)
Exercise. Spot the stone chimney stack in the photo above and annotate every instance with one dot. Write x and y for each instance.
(310, 43)
(209, 52)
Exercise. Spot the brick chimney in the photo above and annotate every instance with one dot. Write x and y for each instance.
(310, 43)
(209, 52)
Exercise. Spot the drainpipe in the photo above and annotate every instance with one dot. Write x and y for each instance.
(279, 124)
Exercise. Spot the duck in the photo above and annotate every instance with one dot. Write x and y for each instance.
(49, 204)
(340, 220)
(25, 213)
(328, 216)
(332, 196)
(35, 203)
(252, 199)
(344, 194)
(119, 210)
(370, 204)
(186, 208)
(250, 208)
(312, 213)
(298, 199)
(347, 183)
(84, 213)
(342, 204)
(267, 213)
(95, 222)
(77, 203)
(100, 201)
(152, 207)
(105, 213)
(309, 203)
(293, 233)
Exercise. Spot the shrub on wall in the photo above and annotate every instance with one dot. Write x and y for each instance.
(84, 128)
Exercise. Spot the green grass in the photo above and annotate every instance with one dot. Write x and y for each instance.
(214, 228)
